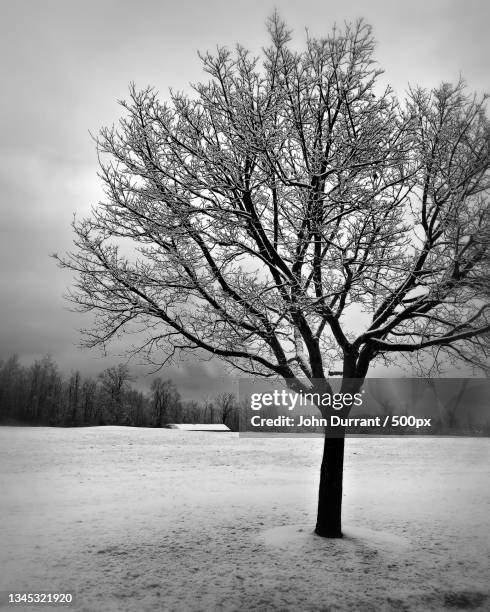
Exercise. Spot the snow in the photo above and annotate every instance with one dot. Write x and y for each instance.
(299, 535)
(157, 519)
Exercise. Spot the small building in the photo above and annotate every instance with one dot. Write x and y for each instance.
(198, 426)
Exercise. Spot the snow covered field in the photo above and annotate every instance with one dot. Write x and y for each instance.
(155, 519)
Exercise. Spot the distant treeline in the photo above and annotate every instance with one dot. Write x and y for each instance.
(40, 394)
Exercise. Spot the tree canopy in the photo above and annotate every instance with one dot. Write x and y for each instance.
(256, 217)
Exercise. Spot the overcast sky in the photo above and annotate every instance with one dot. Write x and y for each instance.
(63, 66)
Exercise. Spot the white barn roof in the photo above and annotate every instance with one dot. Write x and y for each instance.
(198, 426)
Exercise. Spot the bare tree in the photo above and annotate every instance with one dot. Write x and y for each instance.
(252, 220)
(74, 393)
(227, 410)
(114, 385)
(165, 402)
(45, 397)
(88, 401)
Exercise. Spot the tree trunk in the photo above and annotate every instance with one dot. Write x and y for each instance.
(329, 516)
(329, 522)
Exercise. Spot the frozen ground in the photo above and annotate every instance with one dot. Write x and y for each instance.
(144, 519)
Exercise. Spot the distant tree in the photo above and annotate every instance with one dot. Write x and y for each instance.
(114, 384)
(227, 410)
(193, 411)
(88, 401)
(136, 413)
(449, 409)
(74, 397)
(13, 390)
(165, 402)
(209, 412)
(45, 398)
(279, 200)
